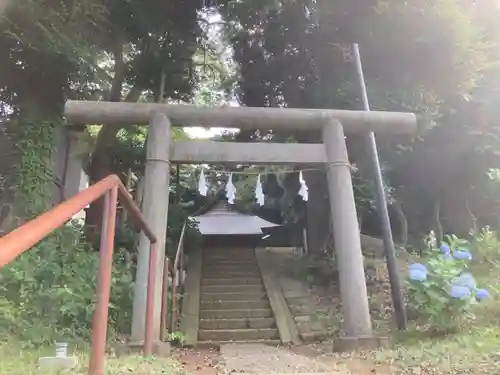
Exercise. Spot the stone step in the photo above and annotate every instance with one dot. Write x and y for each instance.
(229, 259)
(218, 274)
(313, 336)
(236, 314)
(205, 297)
(230, 266)
(234, 305)
(232, 281)
(256, 323)
(232, 289)
(217, 344)
(228, 251)
(228, 262)
(230, 256)
(237, 334)
(220, 269)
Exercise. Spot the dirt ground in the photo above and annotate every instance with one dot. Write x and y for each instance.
(203, 361)
(199, 361)
(356, 366)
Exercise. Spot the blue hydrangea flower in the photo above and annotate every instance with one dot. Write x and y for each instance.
(482, 294)
(462, 255)
(417, 272)
(418, 275)
(445, 249)
(460, 292)
(465, 279)
(418, 266)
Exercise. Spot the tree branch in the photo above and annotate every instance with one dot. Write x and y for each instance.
(134, 94)
(108, 133)
(438, 229)
(120, 71)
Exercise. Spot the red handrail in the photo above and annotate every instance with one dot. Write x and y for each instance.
(164, 301)
(178, 266)
(23, 238)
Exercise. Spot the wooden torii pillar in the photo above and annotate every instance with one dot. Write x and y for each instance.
(332, 153)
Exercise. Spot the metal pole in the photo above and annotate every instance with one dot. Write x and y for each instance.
(397, 298)
(100, 318)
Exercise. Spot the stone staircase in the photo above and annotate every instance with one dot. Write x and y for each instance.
(233, 303)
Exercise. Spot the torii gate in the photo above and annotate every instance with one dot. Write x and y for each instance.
(161, 151)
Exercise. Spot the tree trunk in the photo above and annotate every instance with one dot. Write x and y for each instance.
(403, 234)
(361, 216)
(472, 219)
(101, 167)
(124, 213)
(438, 227)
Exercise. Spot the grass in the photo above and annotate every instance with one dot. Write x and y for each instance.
(475, 349)
(473, 352)
(18, 361)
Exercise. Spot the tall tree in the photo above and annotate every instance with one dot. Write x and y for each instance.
(416, 56)
(151, 46)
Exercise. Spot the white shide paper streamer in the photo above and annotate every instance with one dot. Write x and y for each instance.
(259, 193)
(303, 191)
(202, 185)
(230, 190)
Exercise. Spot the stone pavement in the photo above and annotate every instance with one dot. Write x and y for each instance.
(267, 360)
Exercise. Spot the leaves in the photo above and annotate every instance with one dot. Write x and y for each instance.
(51, 289)
(431, 301)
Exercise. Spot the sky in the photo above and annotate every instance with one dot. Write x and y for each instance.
(202, 133)
(214, 32)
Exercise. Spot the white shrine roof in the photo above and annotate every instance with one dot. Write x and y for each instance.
(223, 221)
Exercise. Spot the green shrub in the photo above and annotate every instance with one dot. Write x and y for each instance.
(177, 338)
(486, 246)
(441, 292)
(49, 291)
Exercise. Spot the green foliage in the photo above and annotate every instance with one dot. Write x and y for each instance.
(48, 293)
(177, 216)
(34, 184)
(60, 27)
(177, 338)
(473, 349)
(10, 322)
(19, 360)
(445, 33)
(295, 54)
(486, 246)
(52, 287)
(431, 299)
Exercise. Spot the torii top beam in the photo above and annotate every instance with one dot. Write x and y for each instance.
(121, 113)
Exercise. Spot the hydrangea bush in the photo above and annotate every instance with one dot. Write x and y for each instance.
(441, 292)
